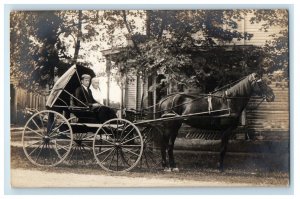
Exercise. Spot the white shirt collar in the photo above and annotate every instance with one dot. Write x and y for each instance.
(85, 87)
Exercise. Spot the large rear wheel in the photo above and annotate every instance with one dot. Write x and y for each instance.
(118, 145)
(47, 138)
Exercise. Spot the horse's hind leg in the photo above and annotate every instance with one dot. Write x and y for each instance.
(224, 142)
(163, 147)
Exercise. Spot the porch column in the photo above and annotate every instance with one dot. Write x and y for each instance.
(108, 67)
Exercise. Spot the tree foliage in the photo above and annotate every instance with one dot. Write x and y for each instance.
(38, 48)
(189, 46)
(174, 41)
(32, 46)
(276, 50)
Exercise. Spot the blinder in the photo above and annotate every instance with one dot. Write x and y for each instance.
(261, 88)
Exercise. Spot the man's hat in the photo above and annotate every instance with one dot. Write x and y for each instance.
(85, 76)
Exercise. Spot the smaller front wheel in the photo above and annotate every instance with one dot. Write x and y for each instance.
(118, 145)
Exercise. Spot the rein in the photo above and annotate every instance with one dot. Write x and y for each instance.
(258, 104)
(200, 96)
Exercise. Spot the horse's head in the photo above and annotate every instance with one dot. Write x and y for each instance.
(261, 87)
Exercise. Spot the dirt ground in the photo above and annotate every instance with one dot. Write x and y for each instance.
(195, 170)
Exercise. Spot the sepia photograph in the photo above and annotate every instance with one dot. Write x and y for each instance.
(149, 98)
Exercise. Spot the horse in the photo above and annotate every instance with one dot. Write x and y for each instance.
(233, 99)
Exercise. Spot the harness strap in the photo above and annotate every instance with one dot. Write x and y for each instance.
(210, 108)
(171, 111)
(228, 102)
(173, 101)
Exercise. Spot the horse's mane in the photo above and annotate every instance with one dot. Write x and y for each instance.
(239, 89)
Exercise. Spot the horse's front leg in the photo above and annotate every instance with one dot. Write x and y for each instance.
(172, 162)
(163, 148)
(224, 143)
(171, 142)
(163, 156)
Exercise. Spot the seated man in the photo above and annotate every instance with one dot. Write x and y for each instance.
(85, 98)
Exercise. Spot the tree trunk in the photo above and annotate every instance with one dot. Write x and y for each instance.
(130, 31)
(79, 36)
(163, 24)
(148, 14)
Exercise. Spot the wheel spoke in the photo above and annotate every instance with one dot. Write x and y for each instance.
(83, 144)
(106, 135)
(151, 155)
(125, 127)
(105, 145)
(49, 149)
(59, 147)
(60, 133)
(28, 138)
(112, 158)
(35, 149)
(131, 152)
(112, 131)
(145, 135)
(34, 131)
(129, 140)
(123, 157)
(117, 129)
(35, 123)
(82, 154)
(127, 134)
(104, 151)
(56, 155)
(89, 151)
(138, 146)
(55, 129)
(54, 118)
(38, 156)
(34, 143)
(117, 159)
(107, 155)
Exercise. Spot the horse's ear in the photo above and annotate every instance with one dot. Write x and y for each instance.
(254, 77)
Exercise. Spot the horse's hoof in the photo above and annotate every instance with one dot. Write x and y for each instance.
(175, 169)
(167, 169)
(67, 163)
(221, 169)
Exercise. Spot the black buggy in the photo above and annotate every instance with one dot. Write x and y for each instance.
(50, 137)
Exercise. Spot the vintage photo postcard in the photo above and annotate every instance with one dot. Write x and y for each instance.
(150, 98)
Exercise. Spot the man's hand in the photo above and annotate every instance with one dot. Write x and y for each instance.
(96, 105)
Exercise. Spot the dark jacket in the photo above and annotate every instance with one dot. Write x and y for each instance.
(84, 96)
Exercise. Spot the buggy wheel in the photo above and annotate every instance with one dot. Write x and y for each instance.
(82, 149)
(47, 138)
(118, 145)
(151, 157)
